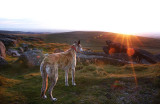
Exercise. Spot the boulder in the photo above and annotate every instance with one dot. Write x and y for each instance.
(134, 54)
(2, 50)
(8, 42)
(145, 55)
(32, 57)
(3, 61)
(113, 47)
(13, 52)
(121, 56)
(158, 57)
(25, 47)
(15, 37)
(94, 57)
(105, 49)
(20, 50)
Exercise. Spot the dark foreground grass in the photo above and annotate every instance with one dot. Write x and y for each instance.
(96, 84)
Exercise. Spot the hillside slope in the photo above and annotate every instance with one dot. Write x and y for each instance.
(95, 40)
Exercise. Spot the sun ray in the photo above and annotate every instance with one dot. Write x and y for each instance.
(138, 40)
(115, 39)
(129, 46)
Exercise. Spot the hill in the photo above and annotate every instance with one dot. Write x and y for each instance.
(95, 39)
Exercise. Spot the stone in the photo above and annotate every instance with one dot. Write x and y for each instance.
(20, 50)
(134, 54)
(8, 42)
(32, 57)
(2, 50)
(25, 47)
(13, 52)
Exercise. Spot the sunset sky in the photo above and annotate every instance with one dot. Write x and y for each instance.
(120, 16)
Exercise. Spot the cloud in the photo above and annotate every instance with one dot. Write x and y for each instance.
(19, 24)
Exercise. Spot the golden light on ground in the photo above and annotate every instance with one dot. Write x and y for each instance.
(129, 41)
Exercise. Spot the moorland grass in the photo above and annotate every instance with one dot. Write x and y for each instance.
(21, 84)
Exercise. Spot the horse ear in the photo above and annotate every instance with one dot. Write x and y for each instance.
(79, 42)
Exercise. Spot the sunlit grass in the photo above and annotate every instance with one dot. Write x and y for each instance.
(92, 81)
(21, 84)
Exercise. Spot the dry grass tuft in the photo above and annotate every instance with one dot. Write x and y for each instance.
(6, 82)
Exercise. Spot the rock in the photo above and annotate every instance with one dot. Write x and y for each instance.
(137, 55)
(32, 57)
(58, 50)
(84, 58)
(13, 52)
(105, 49)
(88, 50)
(15, 37)
(94, 53)
(25, 47)
(34, 49)
(158, 57)
(3, 61)
(115, 47)
(121, 56)
(2, 50)
(142, 54)
(8, 42)
(20, 50)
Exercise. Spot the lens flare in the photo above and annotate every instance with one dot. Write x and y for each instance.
(130, 51)
(129, 41)
(111, 51)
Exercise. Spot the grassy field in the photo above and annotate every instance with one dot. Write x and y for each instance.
(96, 83)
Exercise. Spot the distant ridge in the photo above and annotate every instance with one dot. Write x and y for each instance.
(150, 35)
(21, 32)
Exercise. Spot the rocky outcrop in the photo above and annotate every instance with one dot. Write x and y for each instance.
(20, 50)
(15, 37)
(2, 50)
(11, 40)
(145, 55)
(94, 57)
(25, 47)
(13, 52)
(32, 57)
(158, 57)
(8, 42)
(124, 53)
